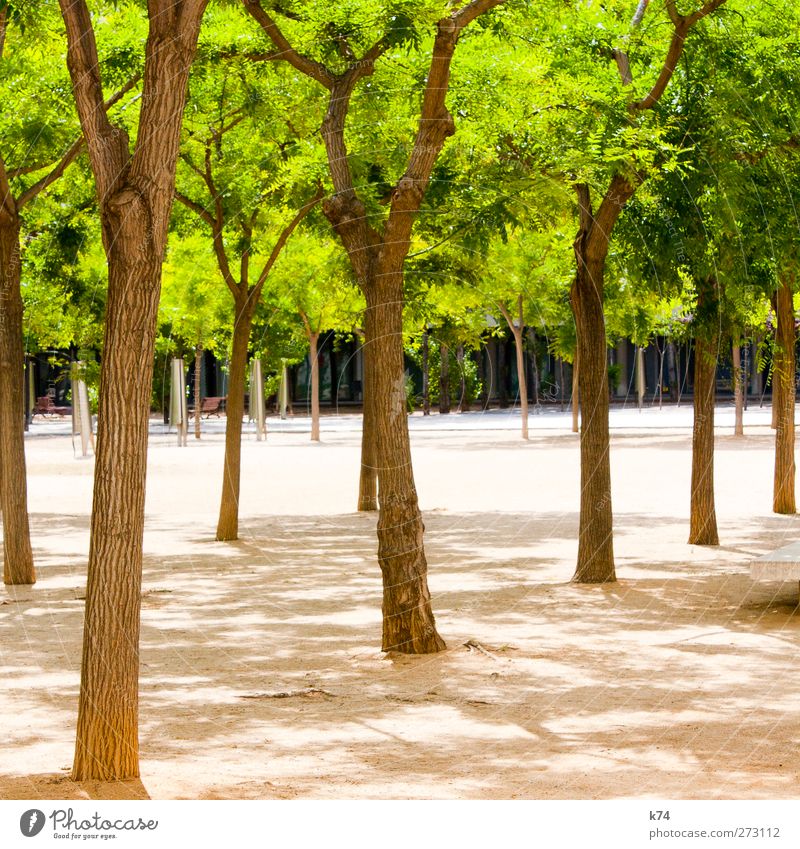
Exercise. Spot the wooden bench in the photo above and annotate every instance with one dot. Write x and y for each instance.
(783, 564)
(212, 406)
(46, 407)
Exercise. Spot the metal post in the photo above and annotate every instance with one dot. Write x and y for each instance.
(257, 410)
(178, 408)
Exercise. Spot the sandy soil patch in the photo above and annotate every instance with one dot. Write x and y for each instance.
(261, 672)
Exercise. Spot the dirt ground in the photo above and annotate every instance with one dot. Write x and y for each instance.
(261, 674)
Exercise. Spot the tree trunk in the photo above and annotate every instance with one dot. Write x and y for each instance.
(575, 394)
(738, 390)
(426, 382)
(313, 339)
(595, 543)
(408, 623)
(535, 365)
(463, 381)
(17, 555)
(641, 383)
(672, 372)
(444, 380)
(775, 383)
(107, 744)
(783, 500)
(502, 373)
(198, 365)
(702, 516)
(228, 524)
(523, 384)
(135, 196)
(368, 478)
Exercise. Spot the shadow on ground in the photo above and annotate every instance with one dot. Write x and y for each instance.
(261, 674)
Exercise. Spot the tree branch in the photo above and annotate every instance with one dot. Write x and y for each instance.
(244, 260)
(436, 123)
(475, 9)
(620, 191)
(674, 15)
(195, 168)
(197, 208)
(72, 153)
(108, 145)
(682, 25)
(304, 64)
(6, 197)
(706, 9)
(282, 239)
(223, 264)
(306, 323)
(65, 161)
(3, 27)
(501, 305)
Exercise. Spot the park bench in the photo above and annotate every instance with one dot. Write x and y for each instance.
(783, 564)
(45, 406)
(212, 406)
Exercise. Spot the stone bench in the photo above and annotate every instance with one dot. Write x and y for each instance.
(783, 564)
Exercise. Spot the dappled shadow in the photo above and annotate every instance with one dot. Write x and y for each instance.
(261, 674)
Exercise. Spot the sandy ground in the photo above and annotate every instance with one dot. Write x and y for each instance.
(261, 672)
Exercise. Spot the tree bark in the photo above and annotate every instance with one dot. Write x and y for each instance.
(408, 622)
(462, 378)
(368, 479)
(426, 381)
(313, 356)
(444, 380)
(576, 404)
(198, 364)
(672, 373)
(535, 365)
(783, 500)
(135, 195)
(702, 516)
(517, 327)
(107, 740)
(523, 383)
(641, 383)
(502, 373)
(738, 389)
(18, 565)
(595, 543)
(228, 524)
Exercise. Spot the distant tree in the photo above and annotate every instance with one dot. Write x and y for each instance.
(311, 282)
(40, 139)
(192, 304)
(242, 183)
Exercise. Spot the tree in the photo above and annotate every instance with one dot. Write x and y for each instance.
(236, 182)
(134, 192)
(378, 256)
(191, 304)
(596, 132)
(525, 281)
(783, 397)
(46, 145)
(310, 282)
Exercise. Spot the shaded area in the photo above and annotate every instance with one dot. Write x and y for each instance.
(676, 681)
